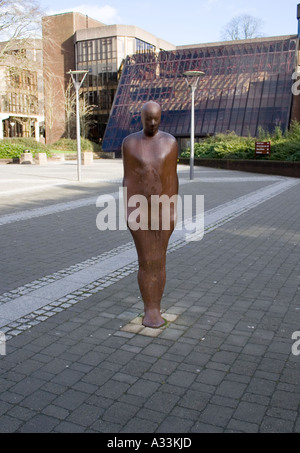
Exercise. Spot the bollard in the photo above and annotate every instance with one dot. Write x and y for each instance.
(41, 158)
(87, 158)
(26, 157)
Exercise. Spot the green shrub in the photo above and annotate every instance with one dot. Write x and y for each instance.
(13, 147)
(284, 147)
(293, 133)
(67, 144)
(285, 150)
(223, 146)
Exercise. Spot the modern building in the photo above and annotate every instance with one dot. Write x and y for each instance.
(58, 59)
(247, 85)
(73, 41)
(21, 88)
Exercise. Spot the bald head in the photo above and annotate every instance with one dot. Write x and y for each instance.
(151, 115)
(150, 106)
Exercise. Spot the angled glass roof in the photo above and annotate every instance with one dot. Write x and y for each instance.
(246, 85)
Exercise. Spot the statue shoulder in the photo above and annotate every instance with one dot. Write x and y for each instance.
(130, 140)
(170, 140)
(167, 136)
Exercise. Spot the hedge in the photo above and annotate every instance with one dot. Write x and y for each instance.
(13, 147)
(284, 147)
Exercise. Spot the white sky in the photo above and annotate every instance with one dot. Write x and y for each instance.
(183, 22)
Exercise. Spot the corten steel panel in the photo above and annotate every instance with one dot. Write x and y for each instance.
(246, 85)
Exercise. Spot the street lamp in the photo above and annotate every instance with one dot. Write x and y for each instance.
(75, 75)
(192, 79)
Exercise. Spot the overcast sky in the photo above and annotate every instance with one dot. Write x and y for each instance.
(183, 22)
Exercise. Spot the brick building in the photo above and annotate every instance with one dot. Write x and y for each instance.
(21, 88)
(73, 41)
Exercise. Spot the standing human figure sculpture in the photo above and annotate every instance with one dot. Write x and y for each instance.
(150, 169)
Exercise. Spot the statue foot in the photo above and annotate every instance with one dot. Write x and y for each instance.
(153, 320)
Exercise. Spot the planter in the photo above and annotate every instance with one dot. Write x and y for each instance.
(40, 158)
(87, 158)
(270, 167)
(26, 158)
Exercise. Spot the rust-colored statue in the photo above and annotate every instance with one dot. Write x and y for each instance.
(150, 161)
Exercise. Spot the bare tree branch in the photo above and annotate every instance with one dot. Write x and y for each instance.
(242, 27)
(20, 21)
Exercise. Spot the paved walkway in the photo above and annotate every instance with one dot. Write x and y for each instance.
(76, 358)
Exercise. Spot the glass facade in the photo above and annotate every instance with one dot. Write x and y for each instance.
(103, 57)
(246, 85)
(100, 57)
(22, 92)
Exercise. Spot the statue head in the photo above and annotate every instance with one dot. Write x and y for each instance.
(151, 116)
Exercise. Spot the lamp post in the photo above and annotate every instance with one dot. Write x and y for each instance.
(77, 85)
(192, 79)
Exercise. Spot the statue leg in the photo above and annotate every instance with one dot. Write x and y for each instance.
(151, 248)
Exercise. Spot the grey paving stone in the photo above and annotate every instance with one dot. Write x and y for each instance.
(120, 413)
(276, 425)
(161, 402)
(250, 412)
(225, 365)
(205, 428)
(216, 415)
(139, 426)
(38, 400)
(56, 412)
(68, 377)
(175, 425)
(144, 388)
(238, 426)
(85, 415)
(231, 389)
(181, 378)
(9, 424)
(194, 400)
(68, 428)
(70, 399)
(39, 424)
(212, 377)
(112, 389)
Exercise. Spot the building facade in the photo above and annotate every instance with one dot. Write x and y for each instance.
(73, 41)
(58, 59)
(21, 88)
(247, 85)
(102, 51)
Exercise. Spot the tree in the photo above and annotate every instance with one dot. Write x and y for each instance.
(20, 21)
(70, 108)
(86, 111)
(242, 27)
